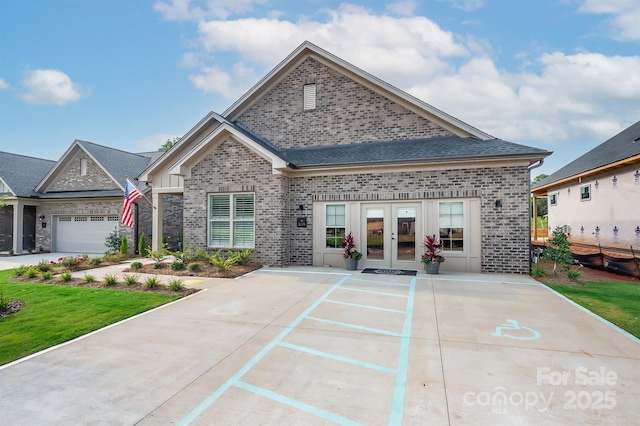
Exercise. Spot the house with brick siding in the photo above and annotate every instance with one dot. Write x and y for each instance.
(319, 149)
(72, 204)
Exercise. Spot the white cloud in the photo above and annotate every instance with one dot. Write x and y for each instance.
(556, 97)
(402, 8)
(625, 16)
(153, 142)
(4, 85)
(50, 87)
(184, 10)
(467, 5)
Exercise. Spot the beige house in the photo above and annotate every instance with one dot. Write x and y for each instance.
(596, 198)
(319, 148)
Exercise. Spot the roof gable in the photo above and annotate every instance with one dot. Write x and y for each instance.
(114, 163)
(21, 174)
(307, 50)
(625, 145)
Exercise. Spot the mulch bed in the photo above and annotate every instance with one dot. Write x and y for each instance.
(205, 269)
(587, 274)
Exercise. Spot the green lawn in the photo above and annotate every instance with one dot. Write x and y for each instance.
(54, 314)
(616, 302)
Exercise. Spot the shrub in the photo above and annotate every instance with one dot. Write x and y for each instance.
(113, 242)
(574, 274)
(110, 279)
(158, 265)
(30, 250)
(4, 302)
(142, 245)
(43, 265)
(538, 272)
(242, 256)
(88, 278)
(176, 284)
(65, 276)
(156, 255)
(165, 242)
(124, 246)
(177, 265)
(70, 262)
(20, 270)
(131, 279)
(95, 261)
(46, 275)
(151, 282)
(222, 264)
(202, 254)
(136, 265)
(31, 272)
(558, 249)
(193, 267)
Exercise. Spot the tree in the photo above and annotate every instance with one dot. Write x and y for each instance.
(558, 249)
(168, 144)
(539, 178)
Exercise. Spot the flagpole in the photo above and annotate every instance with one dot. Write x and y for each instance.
(141, 193)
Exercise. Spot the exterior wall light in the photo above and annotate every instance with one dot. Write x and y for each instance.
(614, 180)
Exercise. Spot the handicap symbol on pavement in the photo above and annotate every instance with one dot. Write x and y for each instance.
(512, 326)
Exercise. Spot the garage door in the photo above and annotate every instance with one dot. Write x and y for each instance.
(83, 234)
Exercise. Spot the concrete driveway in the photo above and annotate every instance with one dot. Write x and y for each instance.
(321, 346)
(10, 262)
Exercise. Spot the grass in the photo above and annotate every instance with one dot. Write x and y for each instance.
(56, 313)
(618, 303)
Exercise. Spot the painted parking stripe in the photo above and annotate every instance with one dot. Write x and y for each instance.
(380, 282)
(236, 377)
(323, 414)
(358, 305)
(373, 292)
(338, 358)
(357, 327)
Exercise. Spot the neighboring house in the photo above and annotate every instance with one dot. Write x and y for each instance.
(319, 148)
(73, 204)
(596, 198)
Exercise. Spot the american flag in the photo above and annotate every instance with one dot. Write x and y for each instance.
(131, 194)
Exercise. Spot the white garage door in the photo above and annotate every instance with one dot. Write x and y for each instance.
(83, 234)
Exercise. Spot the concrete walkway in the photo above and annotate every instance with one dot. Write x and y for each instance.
(322, 346)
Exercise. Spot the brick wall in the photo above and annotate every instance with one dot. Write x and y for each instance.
(346, 112)
(231, 167)
(69, 179)
(505, 233)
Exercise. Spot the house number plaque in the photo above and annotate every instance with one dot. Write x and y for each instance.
(302, 222)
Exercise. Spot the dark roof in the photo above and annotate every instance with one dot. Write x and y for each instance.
(438, 149)
(118, 164)
(82, 194)
(22, 173)
(624, 145)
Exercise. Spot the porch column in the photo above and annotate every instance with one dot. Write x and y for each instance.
(18, 226)
(156, 221)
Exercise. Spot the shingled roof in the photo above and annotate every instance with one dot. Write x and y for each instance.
(22, 173)
(625, 144)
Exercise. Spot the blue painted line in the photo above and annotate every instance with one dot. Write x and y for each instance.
(358, 327)
(338, 358)
(380, 282)
(533, 283)
(397, 403)
(357, 305)
(299, 405)
(373, 292)
(233, 379)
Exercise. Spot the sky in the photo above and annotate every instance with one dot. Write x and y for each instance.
(561, 75)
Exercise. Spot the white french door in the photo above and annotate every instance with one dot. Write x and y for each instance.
(392, 235)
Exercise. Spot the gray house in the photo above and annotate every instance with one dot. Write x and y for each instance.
(319, 149)
(71, 205)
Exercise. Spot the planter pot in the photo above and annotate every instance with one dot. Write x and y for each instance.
(431, 267)
(351, 264)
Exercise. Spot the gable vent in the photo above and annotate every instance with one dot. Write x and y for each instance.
(309, 96)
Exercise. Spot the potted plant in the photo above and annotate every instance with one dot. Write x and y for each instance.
(431, 257)
(351, 254)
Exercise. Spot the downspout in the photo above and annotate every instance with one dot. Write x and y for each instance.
(535, 210)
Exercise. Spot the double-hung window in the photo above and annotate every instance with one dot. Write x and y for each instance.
(451, 225)
(336, 224)
(232, 220)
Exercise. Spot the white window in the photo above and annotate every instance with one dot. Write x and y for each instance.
(309, 96)
(83, 167)
(451, 225)
(335, 220)
(585, 193)
(232, 220)
(553, 199)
